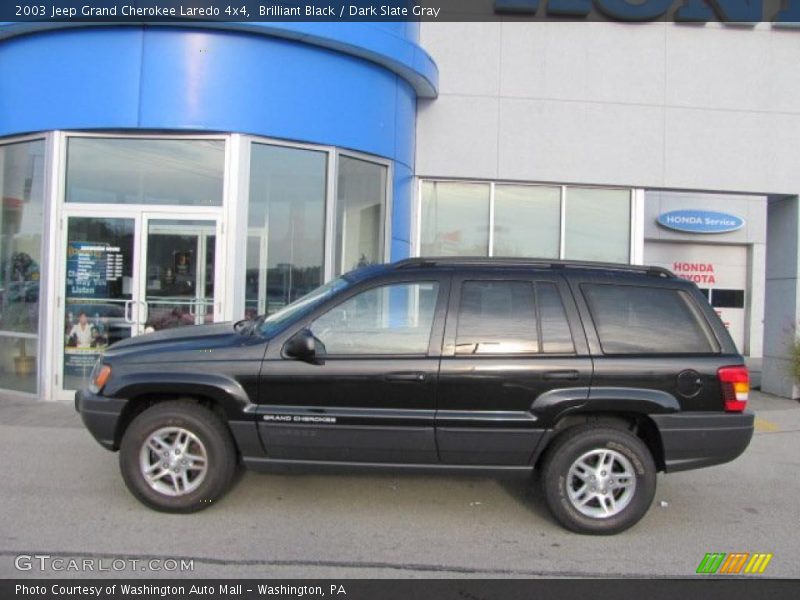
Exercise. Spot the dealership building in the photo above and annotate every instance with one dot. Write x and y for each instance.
(157, 176)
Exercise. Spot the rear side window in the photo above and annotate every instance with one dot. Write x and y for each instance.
(556, 336)
(512, 317)
(497, 317)
(633, 320)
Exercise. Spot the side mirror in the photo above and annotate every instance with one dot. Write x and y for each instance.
(301, 346)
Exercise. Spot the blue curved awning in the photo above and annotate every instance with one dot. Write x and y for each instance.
(392, 45)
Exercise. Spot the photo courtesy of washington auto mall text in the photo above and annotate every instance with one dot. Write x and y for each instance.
(155, 590)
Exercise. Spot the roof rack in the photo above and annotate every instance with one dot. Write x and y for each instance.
(483, 261)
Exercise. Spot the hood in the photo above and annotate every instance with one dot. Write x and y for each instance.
(179, 338)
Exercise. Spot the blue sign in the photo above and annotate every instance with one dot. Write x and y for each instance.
(699, 11)
(700, 221)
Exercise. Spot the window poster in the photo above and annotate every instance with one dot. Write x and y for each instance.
(89, 312)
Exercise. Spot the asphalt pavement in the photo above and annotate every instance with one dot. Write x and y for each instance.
(62, 497)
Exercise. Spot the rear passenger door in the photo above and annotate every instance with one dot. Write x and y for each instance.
(509, 338)
(651, 335)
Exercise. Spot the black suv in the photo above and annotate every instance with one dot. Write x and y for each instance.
(597, 375)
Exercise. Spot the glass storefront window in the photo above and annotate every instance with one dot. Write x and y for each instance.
(598, 224)
(527, 221)
(286, 226)
(145, 171)
(21, 222)
(360, 213)
(455, 219)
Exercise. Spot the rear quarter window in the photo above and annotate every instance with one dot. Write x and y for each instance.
(647, 320)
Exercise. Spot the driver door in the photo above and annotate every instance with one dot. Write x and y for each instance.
(369, 393)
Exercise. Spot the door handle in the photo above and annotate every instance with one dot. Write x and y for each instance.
(563, 375)
(408, 377)
(128, 312)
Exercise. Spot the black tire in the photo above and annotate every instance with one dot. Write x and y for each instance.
(591, 441)
(210, 432)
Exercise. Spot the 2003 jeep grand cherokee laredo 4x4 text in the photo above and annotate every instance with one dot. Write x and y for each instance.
(597, 375)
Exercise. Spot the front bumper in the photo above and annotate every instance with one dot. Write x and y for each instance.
(100, 415)
(700, 439)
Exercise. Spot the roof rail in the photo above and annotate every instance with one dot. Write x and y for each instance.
(537, 263)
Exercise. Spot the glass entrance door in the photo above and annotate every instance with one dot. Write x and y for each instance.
(128, 273)
(179, 273)
(100, 305)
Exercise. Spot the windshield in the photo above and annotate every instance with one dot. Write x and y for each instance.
(302, 306)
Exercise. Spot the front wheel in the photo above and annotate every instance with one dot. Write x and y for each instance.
(598, 480)
(177, 456)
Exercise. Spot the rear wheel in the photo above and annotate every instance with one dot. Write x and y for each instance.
(598, 480)
(177, 457)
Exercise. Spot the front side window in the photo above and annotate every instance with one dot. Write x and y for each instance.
(633, 320)
(386, 320)
(497, 317)
(302, 306)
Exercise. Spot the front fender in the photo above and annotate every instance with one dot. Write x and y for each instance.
(224, 390)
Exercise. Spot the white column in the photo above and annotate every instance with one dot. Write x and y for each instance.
(782, 302)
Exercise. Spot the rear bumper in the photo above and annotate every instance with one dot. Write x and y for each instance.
(702, 439)
(100, 415)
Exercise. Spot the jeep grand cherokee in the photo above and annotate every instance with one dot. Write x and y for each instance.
(597, 376)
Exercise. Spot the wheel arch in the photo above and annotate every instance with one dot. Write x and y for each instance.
(136, 405)
(639, 424)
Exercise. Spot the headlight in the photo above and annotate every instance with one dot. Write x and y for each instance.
(100, 377)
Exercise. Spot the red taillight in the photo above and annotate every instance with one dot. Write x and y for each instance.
(735, 383)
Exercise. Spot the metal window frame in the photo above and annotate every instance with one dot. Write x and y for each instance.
(239, 220)
(637, 226)
(231, 215)
(45, 263)
(60, 208)
(632, 218)
(388, 201)
(239, 205)
(635, 212)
